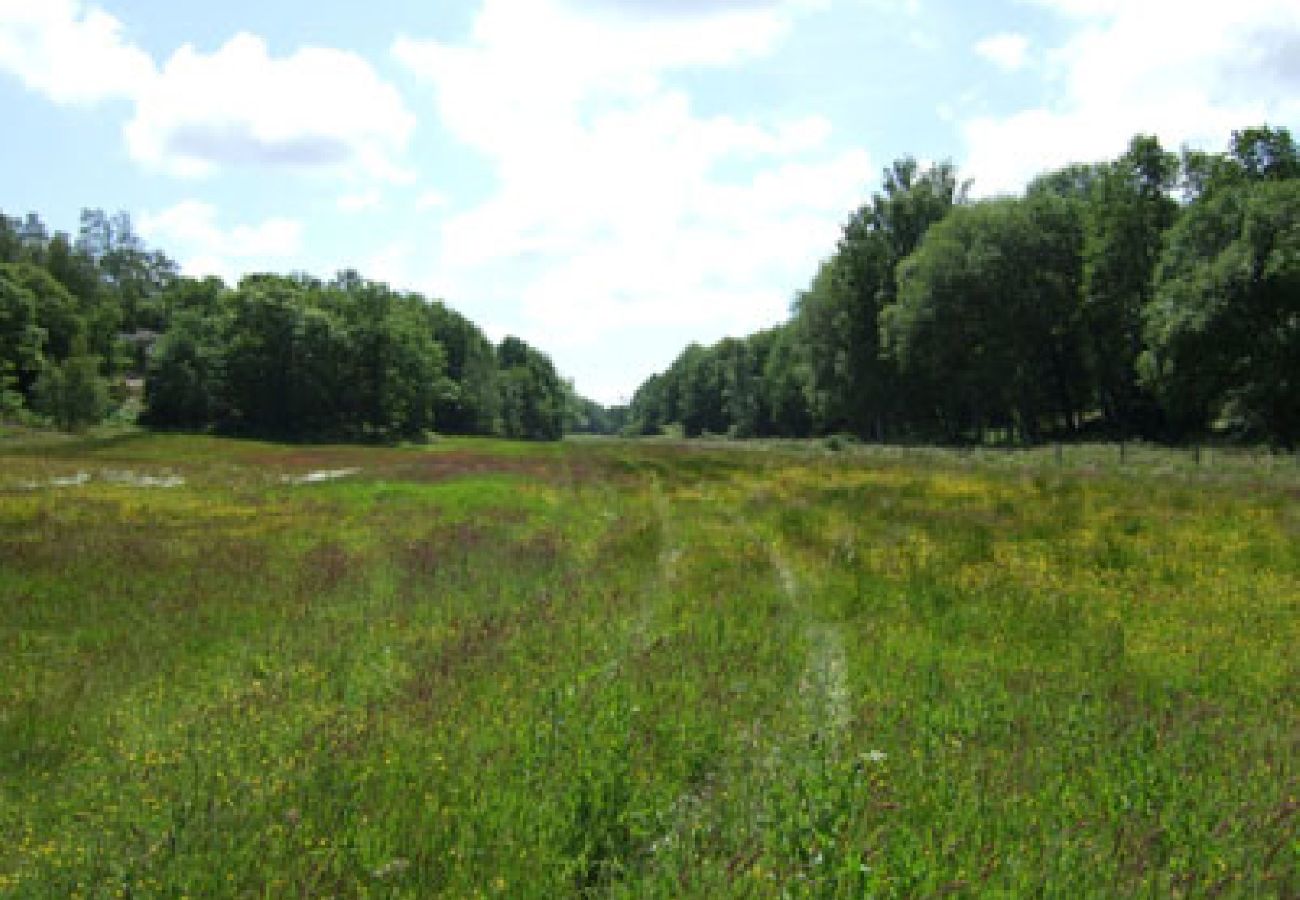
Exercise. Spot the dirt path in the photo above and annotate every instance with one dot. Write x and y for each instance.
(824, 684)
(821, 695)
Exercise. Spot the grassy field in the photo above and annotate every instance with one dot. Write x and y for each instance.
(645, 670)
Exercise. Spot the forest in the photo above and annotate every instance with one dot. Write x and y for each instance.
(100, 327)
(1155, 296)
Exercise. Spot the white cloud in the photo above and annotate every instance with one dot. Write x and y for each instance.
(361, 201)
(1008, 51)
(618, 207)
(203, 247)
(1081, 8)
(70, 53)
(430, 199)
(910, 8)
(318, 108)
(1188, 71)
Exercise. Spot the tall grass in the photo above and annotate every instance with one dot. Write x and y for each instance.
(643, 670)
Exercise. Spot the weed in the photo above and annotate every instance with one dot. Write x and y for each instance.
(644, 669)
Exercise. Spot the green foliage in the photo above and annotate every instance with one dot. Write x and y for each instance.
(472, 404)
(56, 309)
(22, 340)
(1224, 324)
(185, 383)
(11, 399)
(585, 416)
(786, 382)
(1266, 154)
(637, 670)
(987, 319)
(854, 384)
(1126, 216)
(72, 393)
(824, 370)
(81, 294)
(292, 357)
(533, 398)
(349, 360)
(1073, 310)
(724, 389)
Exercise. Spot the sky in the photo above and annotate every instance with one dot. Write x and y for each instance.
(608, 179)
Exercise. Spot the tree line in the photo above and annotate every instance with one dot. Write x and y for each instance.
(85, 321)
(1156, 295)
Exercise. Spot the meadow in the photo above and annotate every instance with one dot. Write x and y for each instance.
(603, 668)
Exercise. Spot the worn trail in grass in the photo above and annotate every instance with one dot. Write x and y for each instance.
(641, 670)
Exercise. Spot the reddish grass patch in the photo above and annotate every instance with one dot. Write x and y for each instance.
(459, 464)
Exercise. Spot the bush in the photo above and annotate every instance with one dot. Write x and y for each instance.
(72, 393)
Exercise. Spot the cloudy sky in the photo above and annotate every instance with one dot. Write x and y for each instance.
(609, 179)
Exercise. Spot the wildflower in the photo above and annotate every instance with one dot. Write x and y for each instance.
(875, 756)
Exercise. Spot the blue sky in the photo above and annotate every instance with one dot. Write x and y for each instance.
(609, 179)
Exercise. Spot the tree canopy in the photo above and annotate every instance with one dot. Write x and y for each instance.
(1153, 295)
(284, 356)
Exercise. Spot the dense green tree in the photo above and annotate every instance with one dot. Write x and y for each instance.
(74, 270)
(1126, 215)
(33, 238)
(739, 377)
(583, 415)
(203, 297)
(185, 385)
(11, 244)
(854, 385)
(532, 395)
(987, 319)
(1266, 154)
(262, 355)
(700, 399)
(22, 340)
(471, 403)
(648, 413)
(11, 399)
(57, 311)
(823, 316)
(392, 367)
(786, 385)
(724, 389)
(286, 356)
(930, 317)
(72, 392)
(1076, 181)
(1224, 325)
(1029, 315)
(134, 276)
(1260, 153)
(351, 359)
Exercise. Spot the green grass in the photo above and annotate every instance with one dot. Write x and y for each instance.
(645, 670)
